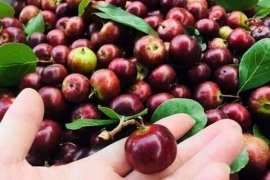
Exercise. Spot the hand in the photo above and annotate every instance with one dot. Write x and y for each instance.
(205, 155)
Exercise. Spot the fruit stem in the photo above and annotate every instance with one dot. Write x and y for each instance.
(106, 135)
(230, 96)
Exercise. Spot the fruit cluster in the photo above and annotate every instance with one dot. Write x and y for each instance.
(86, 61)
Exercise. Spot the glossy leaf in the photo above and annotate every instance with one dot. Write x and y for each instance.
(109, 11)
(193, 32)
(182, 105)
(262, 4)
(80, 123)
(36, 24)
(83, 4)
(6, 10)
(240, 162)
(109, 112)
(254, 67)
(135, 115)
(262, 13)
(233, 5)
(16, 60)
(258, 133)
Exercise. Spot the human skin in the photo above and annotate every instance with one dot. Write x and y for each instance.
(206, 155)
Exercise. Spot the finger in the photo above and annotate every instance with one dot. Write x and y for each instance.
(114, 156)
(190, 147)
(214, 171)
(20, 125)
(225, 147)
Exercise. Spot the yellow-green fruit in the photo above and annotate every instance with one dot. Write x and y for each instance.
(82, 60)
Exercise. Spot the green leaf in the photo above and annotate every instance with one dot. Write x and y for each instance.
(109, 112)
(36, 24)
(262, 13)
(262, 4)
(6, 10)
(254, 67)
(78, 124)
(16, 60)
(136, 115)
(182, 105)
(240, 162)
(257, 132)
(121, 16)
(83, 4)
(234, 5)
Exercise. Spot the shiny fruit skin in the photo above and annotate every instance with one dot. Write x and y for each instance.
(105, 84)
(5, 103)
(81, 60)
(151, 149)
(184, 50)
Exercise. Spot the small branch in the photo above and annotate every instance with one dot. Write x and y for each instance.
(230, 96)
(106, 135)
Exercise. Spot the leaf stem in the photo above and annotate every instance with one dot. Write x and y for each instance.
(106, 135)
(230, 96)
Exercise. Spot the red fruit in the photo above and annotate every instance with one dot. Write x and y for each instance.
(218, 14)
(240, 40)
(118, 3)
(151, 149)
(208, 28)
(214, 115)
(106, 53)
(141, 89)
(182, 15)
(10, 22)
(238, 113)
(154, 21)
(237, 19)
(170, 28)
(184, 50)
(150, 51)
(157, 99)
(50, 19)
(27, 13)
(180, 91)
(76, 87)
(54, 74)
(31, 80)
(36, 38)
(56, 37)
(5, 103)
(59, 54)
(74, 27)
(105, 84)
(198, 9)
(137, 8)
(208, 94)
(124, 69)
(126, 104)
(48, 138)
(162, 78)
(258, 152)
(199, 73)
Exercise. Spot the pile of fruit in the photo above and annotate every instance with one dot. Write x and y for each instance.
(103, 68)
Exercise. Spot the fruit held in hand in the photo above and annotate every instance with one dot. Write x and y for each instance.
(151, 149)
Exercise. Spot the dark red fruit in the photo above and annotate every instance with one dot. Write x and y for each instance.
(74, 27)
(105, 84)
(260, 32)
(126, 104)
(56, 37)
(48, 138)
(27, 13)
(141, 89)
(10, 22)
(238, 113)
(208, 94)
(214, 115)
(157, 99)
(184, 50)
(151, 149)
(54, 74)
(50, 20)
(240, 40)
(31, 80)
(81, 43)
(217, 57)
(43, 51)
(5, 103)
(199, 9)
(169, 28)
(150, 51)
(166, 5)
(59, 54)
(154, 20)
(237, 19)
(208, 28)
(180, 91)
(76, 87)
(199, 73)
(227, 78)
(124, 69)
(65, 153)
(162, 78)
(106, 53)
(137, 8)
(36, 38)
(218, 14)
(182, 15)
